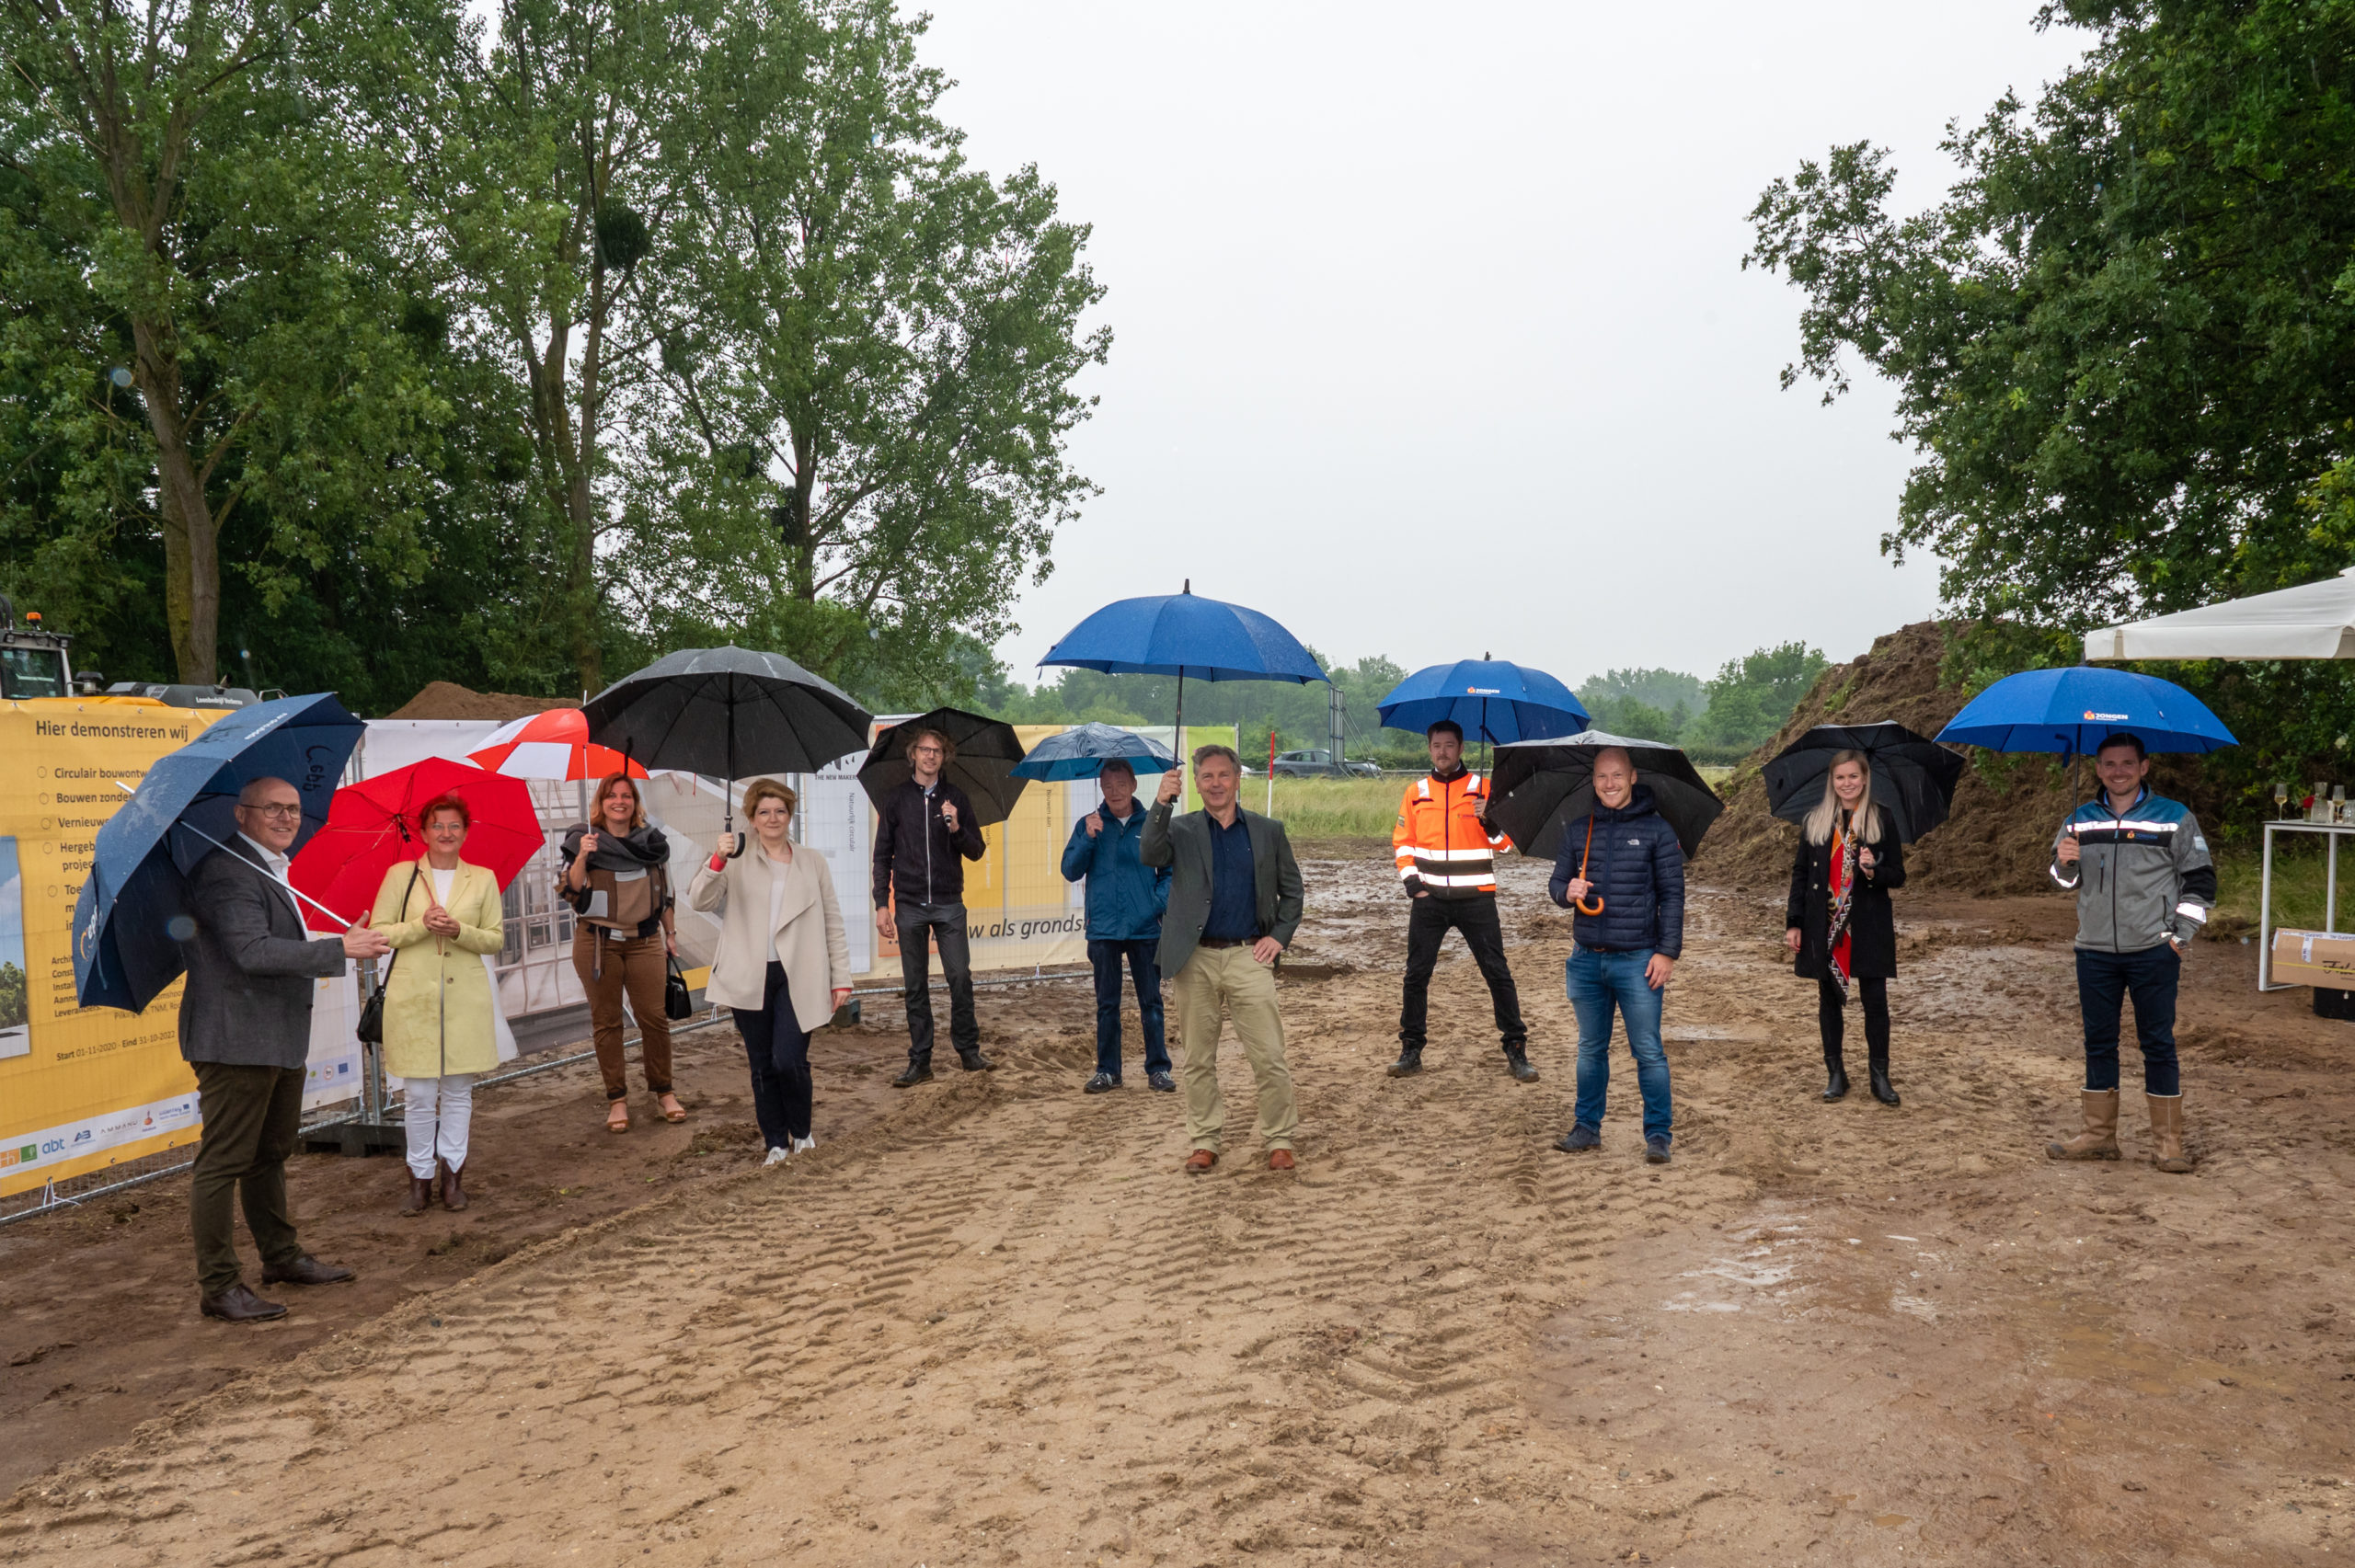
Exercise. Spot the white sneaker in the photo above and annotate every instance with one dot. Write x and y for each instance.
(776, 1157)
(803, 1145)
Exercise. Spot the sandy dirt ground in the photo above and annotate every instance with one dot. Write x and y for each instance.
(989, 1321)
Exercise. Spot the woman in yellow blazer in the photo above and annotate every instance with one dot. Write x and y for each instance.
(442, 916)
(784, 960)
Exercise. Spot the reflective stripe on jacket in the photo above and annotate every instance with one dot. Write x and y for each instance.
(2141, 878)
(1442, 846)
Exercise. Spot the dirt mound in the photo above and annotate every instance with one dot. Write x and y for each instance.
(2006, 808)
(447, 699)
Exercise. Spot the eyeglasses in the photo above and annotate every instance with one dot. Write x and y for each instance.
(445, 828)
(927, 750)
(276, 810)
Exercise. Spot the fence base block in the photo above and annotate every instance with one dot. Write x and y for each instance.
(357, 1137)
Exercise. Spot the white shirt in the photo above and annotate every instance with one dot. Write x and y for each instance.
(776, 902)
(275, 865)
(442, 882)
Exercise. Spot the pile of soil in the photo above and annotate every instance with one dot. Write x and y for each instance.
(1998, 840)
(447, 699)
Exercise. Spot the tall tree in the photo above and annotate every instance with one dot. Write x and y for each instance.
(2122, 343)
(869, 350)
(184, 205)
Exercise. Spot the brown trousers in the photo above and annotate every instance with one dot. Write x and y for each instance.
(636, 969)
(253, 1121)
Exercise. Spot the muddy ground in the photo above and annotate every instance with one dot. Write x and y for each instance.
(989, 1321)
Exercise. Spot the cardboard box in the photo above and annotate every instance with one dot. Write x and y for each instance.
(2313, 958)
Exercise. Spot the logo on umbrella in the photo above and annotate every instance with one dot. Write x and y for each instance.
(1484, 691)
(2092, 717)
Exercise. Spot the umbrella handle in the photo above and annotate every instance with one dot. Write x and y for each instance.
(1580, 905)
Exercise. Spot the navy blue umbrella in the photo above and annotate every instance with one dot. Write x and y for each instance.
(1183, 634)
(2072, 710)
(1492, 700)
(1081, 754)
(130, 916)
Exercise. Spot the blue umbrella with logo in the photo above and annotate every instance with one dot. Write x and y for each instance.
(1492, 700)
(1185, 635)
(130, 915)
(1081, 754)
(2072, 710)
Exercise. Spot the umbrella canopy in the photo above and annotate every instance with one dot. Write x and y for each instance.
(1914, 778)
(373, 824)
(2315, 620)
(987, 754)
(1493, 700)
(129, 918)
(728, 713)
(551, 745)
(1081, 754)
(1185, 635)
(2072, 710)
(1542, 787)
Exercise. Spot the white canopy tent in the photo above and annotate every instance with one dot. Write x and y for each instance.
(2315, 620)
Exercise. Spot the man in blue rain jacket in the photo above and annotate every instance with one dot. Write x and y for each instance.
(1126, 898)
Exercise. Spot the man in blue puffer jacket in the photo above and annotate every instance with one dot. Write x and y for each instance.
(1126, 899)
(1626, 856)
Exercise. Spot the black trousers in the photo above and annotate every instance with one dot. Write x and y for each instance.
(2103, 982)
(1830, 1016)
(253, 1120)
(920, 925)
(1428, 920)
(778, 1049)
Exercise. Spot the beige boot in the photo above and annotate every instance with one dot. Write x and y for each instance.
(2166, 1134)
(2099, 1140)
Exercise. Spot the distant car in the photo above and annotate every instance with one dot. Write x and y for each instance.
(1320, 766)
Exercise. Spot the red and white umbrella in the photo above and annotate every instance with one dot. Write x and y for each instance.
(551, 745)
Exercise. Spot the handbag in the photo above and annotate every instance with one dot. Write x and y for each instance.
(371, 1027)
(676, 1004)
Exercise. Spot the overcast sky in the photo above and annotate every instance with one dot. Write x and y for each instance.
(1430, 332)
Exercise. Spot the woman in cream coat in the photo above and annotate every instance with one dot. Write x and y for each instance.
(442, 916)
(784, 962)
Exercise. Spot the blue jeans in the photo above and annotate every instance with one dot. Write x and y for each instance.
(1598, 981)
(1144, 958)
(2104, 982)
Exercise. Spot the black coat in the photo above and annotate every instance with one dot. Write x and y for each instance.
(252, 967)
(1635, 864)
(917, 858)
(1872, 925)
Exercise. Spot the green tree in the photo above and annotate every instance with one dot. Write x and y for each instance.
(2120, 342)
(1665, 691)
(1752, 695)
(182, 201)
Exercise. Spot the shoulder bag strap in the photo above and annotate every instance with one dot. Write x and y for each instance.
(407, 893)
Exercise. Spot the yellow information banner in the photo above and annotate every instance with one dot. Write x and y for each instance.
(80, 1088)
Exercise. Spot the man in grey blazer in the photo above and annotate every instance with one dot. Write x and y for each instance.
(1235, 901)
(246, 1030)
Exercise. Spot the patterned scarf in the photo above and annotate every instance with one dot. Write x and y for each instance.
(1844, 850)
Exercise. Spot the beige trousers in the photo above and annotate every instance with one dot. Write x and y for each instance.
(1218, 984)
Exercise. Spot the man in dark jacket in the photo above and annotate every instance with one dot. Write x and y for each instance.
(1235, 901)
(920, 830)
(1125, 900)
(245, 1029)
(1622, 870)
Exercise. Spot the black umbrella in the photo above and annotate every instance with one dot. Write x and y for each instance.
(1542, 787)
(726, 713)
(984, 766)
(1913, 777)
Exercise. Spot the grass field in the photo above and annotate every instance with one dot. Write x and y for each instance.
(1358, 809)
(2299, 874)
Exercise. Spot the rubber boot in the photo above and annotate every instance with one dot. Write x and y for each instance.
(2099, 1140)
(1409, 1062)
(1837, 1087)
(919, 1070)
(1517, 1063)
(2166, 1134)
(1876, 1073)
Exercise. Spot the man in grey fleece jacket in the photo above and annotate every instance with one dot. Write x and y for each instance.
(2144, 884)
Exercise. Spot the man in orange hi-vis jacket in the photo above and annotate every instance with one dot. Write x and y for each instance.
(1446, 856)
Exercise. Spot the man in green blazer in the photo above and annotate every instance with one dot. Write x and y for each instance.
(1235, 901)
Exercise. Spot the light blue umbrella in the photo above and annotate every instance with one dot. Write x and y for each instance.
(2072, 710)
(1081, 754)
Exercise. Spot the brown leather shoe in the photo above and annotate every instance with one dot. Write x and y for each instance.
(239, 1305)
(1200, 1160)
(454, 1196)
(1278, 1159)
(420, 1195)
(305, 1270)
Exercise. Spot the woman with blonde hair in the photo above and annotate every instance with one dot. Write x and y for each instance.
(442, 915)
(617, 878)
(784, 960)
(1838, 923)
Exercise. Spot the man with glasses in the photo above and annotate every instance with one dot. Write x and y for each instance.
(245, 1031)
(923, 834)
